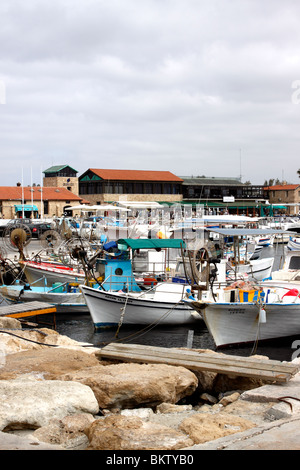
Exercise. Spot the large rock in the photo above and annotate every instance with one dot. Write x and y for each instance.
(20, 340)
(10, 323)
(203, 427)
(33, 403)
(67, 432)
(117, 432)
(14, 442)
(214, 382)
(48, 363)
(131, 385)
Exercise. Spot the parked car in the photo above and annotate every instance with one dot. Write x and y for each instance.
(36, 228)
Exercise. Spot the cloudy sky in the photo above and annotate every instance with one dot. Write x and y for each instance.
(196, 87)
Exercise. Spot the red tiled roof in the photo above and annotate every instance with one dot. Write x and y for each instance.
(136, 175)
(282, 187)
(14, 193)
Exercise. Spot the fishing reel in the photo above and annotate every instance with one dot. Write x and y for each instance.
(50, 239)
(16, 236)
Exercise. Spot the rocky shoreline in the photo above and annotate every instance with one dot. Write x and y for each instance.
(58, 394)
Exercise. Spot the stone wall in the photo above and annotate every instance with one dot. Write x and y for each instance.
(286, 197)
(106, 198)
(55, 208)
(62, 182)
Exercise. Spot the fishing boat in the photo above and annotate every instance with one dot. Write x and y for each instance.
(293, 243)
(162, 305)
(250, 315)
(289, 275)
(239, 265)
(37, 272)
(66, 297)
(121, 300)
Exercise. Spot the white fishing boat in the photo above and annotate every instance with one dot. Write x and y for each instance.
(289, 275)
(121, 300)
(66, 297)
(37, 272)
(239, 265)
(293, 243)
(275, 313)
(163, 305)
(257, 269)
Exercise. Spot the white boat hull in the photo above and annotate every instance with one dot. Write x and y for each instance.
(293, 244)
(237, 323)
(39, 273)
(256, 269)
(106, 308)
(64, 302)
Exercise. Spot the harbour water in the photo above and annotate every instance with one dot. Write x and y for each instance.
(80, 328)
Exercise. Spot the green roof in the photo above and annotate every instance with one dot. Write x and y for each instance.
(56, 168)
(151, 243)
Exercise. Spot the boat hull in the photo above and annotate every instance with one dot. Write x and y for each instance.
(39, 273)
(256, 269)
(106, 309)
(237, 323)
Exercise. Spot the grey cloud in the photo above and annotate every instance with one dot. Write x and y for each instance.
(173, 85)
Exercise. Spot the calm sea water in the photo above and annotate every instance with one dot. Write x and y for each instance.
(80, 328)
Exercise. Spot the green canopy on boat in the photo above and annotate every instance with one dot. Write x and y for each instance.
(151, 243)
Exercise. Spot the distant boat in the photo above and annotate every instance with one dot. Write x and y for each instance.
(239, 264)
(37, 272)
(293, 244)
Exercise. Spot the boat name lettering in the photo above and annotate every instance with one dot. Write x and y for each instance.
(236, 310)
(118, 299)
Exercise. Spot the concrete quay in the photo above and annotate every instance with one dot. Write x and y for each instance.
(280, 435)
(282, 428)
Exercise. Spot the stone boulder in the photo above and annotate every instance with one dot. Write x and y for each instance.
(47, 363)
(20, 340)
(117, 432)
(203, 427)
(10, 323)
(30, 404)
(67, 432)
(130, 385)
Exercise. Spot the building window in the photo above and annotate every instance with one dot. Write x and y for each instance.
(119, 188)
(128, 188)
(46, 207)
(108, 188)
(139, 188)
(157, 188)
(148, 188)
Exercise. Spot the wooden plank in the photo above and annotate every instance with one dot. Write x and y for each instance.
(222, 359)
(199, 361)
(27, 309)
(198, 366)
(31, 313)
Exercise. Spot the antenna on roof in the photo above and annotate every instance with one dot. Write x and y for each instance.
(241, 165)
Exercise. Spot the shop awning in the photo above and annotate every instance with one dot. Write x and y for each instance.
(25, 207)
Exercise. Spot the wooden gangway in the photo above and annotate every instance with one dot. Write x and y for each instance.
(258, 368)
(28, 309)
